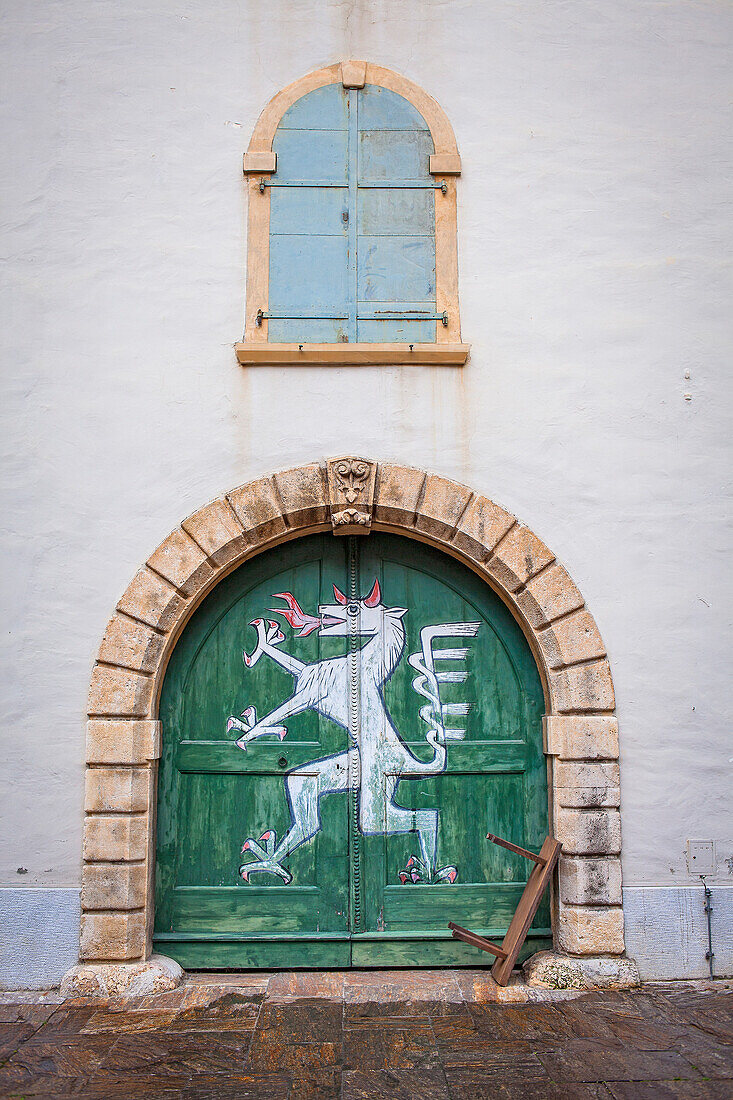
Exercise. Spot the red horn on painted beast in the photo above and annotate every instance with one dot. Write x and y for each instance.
(375, 596)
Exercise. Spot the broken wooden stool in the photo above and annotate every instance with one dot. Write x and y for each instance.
(506, 955)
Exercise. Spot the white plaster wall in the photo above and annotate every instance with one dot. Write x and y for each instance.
(594, 267)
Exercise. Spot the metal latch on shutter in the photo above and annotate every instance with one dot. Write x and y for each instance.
(267, 315)
(399, 185)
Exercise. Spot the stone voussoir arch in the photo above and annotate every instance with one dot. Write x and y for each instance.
(348, 495)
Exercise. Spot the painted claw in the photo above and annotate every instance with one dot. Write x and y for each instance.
(414, 870)
(268, 865)
(274, 633)
(246, 720)
(449, 873)
(251, 845)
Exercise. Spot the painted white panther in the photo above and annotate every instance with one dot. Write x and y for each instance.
(380, 759)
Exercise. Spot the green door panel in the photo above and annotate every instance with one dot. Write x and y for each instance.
(213, 796)
(325, 801)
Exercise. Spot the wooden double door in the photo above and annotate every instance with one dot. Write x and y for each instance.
(344, 720)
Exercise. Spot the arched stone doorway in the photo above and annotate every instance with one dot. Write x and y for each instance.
(349, 495)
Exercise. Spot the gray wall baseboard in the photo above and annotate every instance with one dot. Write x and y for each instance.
(667, 932)
(39, 935)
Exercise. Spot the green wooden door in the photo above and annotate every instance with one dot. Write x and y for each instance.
(325, 801)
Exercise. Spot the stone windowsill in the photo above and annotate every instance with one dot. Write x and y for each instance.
(259, 353)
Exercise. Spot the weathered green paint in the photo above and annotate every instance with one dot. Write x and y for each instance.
(345, 904)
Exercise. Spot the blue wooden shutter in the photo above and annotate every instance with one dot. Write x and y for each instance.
(352, 221)
(396, 220)
(309, 229)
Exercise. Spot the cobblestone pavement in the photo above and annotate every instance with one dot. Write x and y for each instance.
(430, 1035)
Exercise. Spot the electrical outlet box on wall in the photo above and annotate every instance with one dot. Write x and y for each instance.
(700, 857)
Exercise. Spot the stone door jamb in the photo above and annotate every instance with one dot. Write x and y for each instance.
(348, 495)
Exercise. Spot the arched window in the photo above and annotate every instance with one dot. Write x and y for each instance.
(352, 224)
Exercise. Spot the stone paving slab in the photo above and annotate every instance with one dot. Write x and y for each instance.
(428, 1035)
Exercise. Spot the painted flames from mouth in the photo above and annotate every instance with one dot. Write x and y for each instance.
(300, 620)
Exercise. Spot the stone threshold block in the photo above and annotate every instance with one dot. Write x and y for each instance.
(552, 970)
(97, 981)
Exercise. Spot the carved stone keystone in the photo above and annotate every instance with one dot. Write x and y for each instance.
(351, 494)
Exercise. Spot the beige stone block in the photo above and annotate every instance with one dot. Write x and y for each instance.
(353, 74)
(130, 644)
(589, 798)
(119, 691)
(397, 494)
(117, 790)
(303, 495)
(548, 596)
(115, 836)
(547, 970)
(182, 562)
(571, 640)
(120, 741)
(113, 935)
(152, 600)
(588, 832)
(480, 528)
(519, 555)
(585, 930)
(590, 881)
(441, 506)
(581, 736)
(259, 162)
(586, 774)
(113, 885)
(586, 785)
(445, 164)
(101, 980)
(583, 687)
(218, 532)
(258, 510)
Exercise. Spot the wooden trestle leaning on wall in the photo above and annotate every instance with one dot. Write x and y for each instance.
(539, 880)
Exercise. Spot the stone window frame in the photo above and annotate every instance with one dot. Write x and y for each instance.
(445, 166)
(349, 495)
